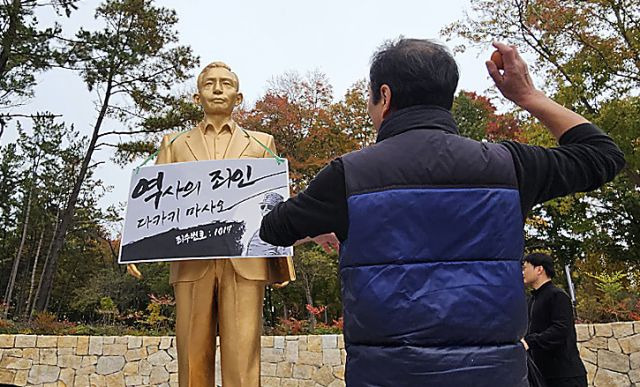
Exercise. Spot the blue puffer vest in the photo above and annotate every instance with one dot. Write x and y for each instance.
(431, 276)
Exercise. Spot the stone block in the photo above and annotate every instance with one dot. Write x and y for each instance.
(597, 343)
(89, 370)
(25, 341)
(284, 370)
(634, 376)
(613, 345)
(15, 363)
(603, 330)
(67, 376)
(134, 342)
(145, 368)
(310, 358)
(109, 364)
(22, 378)
(331, 357)
(582, 332)
(272, 355)
(115, 380)
(588, 355)
(634, 360)
(338, 372)
(90, 360)
(301, 371)
(606, 378)
(67, 342)
(43, 374)
(97, 381)
(174, 353)
(323, 376)
(266, 341)
(329, 341)
(343, 353)
(270, 381)
(122, 340)
(83, 345)
(47, 341)
(630, 344)
(49, 356)
(131, 368)
(278, 342)
(135, 354)
(158, 375)
(114, 349)
(149, 341)
(172, 366)
(165, 343)
(13, 352)
(314, 344)
(622, 329)
(95, 345)
(70, 361)
(289, 383)
(109, 340)
(66, 351)
(613, 361)
(337, 383)
(31, 353)
(268, 369)
(159, 358)
(173, 380)
(133, 380)
(7, 376)
(291, 351)
(340, 341)
(7, 341)
(82, 380)
(307, 383)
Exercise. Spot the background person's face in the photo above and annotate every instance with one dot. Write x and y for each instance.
(529, 273)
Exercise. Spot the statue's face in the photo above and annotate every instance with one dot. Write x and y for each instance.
(218, 91)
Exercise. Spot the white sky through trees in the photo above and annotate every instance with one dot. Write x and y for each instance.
(261, 40)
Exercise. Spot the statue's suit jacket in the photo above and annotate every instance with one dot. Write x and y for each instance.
(191, 146)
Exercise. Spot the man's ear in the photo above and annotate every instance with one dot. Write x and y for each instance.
(385, 96)
(239, 99)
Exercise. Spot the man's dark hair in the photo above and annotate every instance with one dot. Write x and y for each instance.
(418, 72)
(541, 259)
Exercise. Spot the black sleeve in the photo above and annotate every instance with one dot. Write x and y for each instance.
(319, 209)
(586, 159)
(561, 317)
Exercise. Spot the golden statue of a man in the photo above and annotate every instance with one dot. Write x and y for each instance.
(224, 294)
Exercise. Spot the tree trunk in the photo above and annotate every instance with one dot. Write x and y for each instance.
(16, 262)
(307, 294)
(55, 230)
(67, 215)
(33, 274)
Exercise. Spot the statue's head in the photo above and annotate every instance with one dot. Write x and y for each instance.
(218, 89)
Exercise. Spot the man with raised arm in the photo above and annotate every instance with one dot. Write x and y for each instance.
(431, 223)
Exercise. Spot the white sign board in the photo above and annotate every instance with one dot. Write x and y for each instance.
(202, 210)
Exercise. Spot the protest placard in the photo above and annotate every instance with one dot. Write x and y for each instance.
(202, 210)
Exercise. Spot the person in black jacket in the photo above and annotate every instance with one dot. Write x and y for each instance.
(551, 335)
(430, 222)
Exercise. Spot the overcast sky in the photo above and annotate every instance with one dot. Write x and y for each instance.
(263, 39)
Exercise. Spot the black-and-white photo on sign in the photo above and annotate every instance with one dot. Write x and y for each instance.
(202, 210)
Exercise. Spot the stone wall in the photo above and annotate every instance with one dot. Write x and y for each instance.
(611, 353)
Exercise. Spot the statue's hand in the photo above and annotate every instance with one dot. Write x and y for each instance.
(133, 270)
